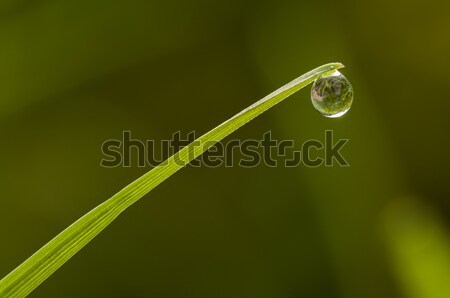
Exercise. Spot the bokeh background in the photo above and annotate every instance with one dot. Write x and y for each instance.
(76, 73)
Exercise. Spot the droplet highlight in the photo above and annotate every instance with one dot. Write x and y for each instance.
(332, 95)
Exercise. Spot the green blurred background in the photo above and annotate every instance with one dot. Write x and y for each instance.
(76, 73)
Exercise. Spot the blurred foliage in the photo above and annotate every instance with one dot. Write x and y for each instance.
(75, 73)
(420, 248)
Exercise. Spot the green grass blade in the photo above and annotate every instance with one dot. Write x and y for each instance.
(60, 249)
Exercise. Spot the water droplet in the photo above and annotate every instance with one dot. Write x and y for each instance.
(332, 95)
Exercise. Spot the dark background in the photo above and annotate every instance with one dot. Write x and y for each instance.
(76, 73)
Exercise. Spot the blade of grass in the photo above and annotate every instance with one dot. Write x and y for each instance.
(60, 249)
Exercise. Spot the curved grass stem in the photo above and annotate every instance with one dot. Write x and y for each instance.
(60, 249)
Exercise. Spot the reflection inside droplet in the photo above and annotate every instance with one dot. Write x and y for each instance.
(332, 95)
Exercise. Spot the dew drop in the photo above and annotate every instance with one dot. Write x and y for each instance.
(332, 95)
